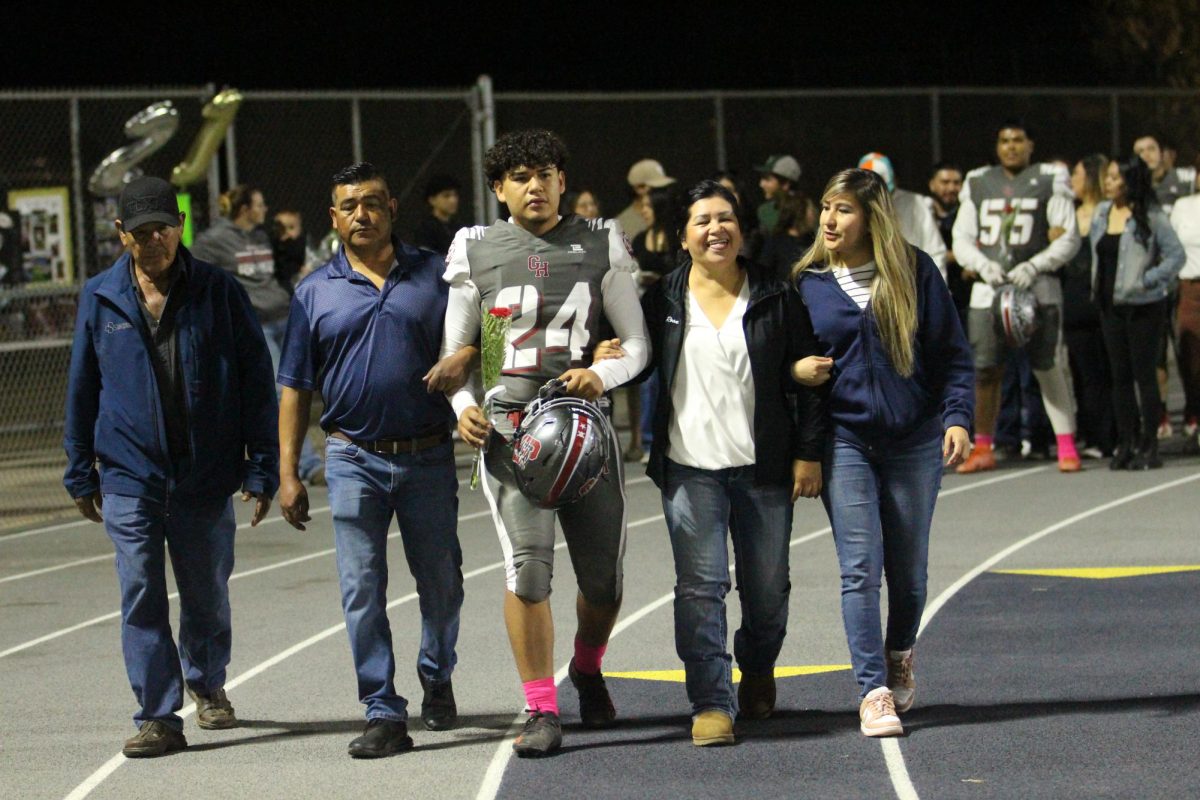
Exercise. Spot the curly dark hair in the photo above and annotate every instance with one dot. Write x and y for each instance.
(529, 148)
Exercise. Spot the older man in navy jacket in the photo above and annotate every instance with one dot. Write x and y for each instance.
(170, 409)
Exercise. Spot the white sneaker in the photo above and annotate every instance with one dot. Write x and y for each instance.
(877, 714)
(900, 678)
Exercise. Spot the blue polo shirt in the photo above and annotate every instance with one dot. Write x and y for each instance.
(367, 349)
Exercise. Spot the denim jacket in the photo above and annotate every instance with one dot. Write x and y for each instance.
(1145, 273)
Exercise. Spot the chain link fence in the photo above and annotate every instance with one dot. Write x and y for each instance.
(56, 232)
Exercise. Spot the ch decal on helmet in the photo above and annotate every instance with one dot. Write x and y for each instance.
(560, 449)
(1015, 314)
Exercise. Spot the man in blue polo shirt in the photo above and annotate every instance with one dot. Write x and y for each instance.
(365, 329)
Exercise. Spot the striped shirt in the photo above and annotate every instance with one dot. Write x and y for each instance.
(856, 281)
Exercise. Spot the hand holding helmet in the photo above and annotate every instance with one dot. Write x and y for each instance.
(1023, 275)
(560, 448)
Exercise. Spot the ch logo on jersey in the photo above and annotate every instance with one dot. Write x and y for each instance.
(539, 266)
(526, 450)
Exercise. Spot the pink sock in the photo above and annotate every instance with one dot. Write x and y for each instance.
(541, 695)
(588, 657)
(983, 440)
(1066, 445)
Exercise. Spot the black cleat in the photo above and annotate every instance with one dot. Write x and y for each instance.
(438, 709)
(381, 737)
(541, 737)
(595, 705)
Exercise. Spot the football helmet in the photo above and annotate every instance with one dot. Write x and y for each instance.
(1015, 314)
(560, 448)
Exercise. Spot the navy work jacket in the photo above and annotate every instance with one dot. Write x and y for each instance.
(114, 415)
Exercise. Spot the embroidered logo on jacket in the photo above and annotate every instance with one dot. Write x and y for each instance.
(113, 327)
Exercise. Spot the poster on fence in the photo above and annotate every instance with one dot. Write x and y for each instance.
(45, 233)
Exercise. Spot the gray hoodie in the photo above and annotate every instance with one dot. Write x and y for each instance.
(248, 255)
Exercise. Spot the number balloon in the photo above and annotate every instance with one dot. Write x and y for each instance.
(153, 126)
(218, 114)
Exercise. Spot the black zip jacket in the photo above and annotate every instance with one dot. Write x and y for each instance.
(789, 419)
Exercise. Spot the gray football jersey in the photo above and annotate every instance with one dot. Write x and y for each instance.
(552, 284)
(1176, 183)
(1012, 211)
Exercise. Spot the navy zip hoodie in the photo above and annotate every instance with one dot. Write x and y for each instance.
(869, 402)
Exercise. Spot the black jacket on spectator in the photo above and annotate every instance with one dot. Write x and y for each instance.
(789, 419)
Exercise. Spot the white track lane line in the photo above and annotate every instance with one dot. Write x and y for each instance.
(174, 595)
(495, 771)
(109, 767)
(268, 568)
(897, 771)
(79, 563)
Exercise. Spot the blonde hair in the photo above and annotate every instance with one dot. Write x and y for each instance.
(894, 290)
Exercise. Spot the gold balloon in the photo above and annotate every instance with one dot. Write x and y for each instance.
(218, 115)
(152, 127)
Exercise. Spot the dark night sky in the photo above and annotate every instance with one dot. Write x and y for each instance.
(563, 46)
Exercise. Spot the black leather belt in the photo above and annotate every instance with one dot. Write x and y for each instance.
(394, 447)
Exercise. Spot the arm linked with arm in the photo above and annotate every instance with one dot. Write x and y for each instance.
(808, 403)
(623, 310)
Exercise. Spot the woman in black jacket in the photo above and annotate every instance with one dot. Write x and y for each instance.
(736, 441)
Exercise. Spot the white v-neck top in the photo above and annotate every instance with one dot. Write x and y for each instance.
(712, 423)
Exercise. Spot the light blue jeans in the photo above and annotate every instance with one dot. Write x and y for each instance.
(421, 491)
(199, 539)
(880, 505)
(701, 507)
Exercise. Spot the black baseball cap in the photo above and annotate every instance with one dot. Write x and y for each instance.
(146, 200)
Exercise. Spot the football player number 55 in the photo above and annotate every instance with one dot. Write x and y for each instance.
(994, 213)
(566, 331)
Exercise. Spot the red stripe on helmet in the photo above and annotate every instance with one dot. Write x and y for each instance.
(579, 434)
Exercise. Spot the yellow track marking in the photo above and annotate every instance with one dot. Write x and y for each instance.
(677, 676)
(1102, 573)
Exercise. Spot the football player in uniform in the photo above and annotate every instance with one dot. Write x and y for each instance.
(560, 277)
(1016, 224)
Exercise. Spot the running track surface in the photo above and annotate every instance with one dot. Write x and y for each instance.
(1031, 684)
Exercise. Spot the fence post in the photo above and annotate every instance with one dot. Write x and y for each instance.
(1115, 115)
(356, 130)
(231, 170)
(81, 259)
(477, 156)
(719, 123)
(214, 169)
(487, 108)
(935, 125)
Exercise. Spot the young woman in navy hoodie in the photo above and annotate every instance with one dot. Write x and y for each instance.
(901, 399)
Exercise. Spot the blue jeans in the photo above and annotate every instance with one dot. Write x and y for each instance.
(274, 333)
(199, 539)
(880, 505)
(365, 491)
(700, 506)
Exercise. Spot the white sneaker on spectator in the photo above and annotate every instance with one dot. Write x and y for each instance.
(877, 714)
